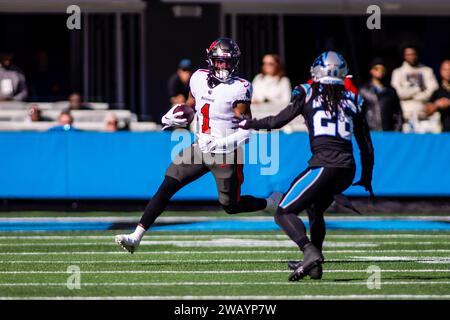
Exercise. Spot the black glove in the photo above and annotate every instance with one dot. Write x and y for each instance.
(242, 123)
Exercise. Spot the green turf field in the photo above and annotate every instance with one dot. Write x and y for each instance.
(205, 265)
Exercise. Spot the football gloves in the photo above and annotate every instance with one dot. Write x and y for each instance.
(170, 119)
(206, 143)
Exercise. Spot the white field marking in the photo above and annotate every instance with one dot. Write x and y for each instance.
(215, 283)
(262, 236)
(214, 252)
(143, 261)
(209, 218)
(302, 297)
(224, 243)
(280, 260)
(220, 271)
(221, 242)
(397, 259)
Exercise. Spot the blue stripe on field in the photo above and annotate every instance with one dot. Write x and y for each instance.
(235, 225)
(230, 225)
(53, 226)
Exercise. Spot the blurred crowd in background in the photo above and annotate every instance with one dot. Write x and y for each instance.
(415, 100)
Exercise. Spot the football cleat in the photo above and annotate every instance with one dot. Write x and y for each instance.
(273, 201)
(126, 242)
(315, 273)
(312, 259)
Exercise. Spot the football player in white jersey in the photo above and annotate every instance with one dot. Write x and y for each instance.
(218, 96)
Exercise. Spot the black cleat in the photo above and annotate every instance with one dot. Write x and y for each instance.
(312, 260)
(315, 273)
(294, 264)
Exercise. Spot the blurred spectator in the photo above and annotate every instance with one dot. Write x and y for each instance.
(272, 92)
(76, 102)
(46, 81)
(178, 85)
(35, 114)
(65, 122)
(440, 99)
(12, 80)
(384, 112)
(414, 83)
(271, 86)
(111, 123)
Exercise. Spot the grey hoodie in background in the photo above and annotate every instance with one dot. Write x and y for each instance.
(12, 84)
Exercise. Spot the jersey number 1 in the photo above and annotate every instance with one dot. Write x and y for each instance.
(205, 114)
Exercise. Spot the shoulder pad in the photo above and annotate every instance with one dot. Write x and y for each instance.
(356, 98)
(303, 88)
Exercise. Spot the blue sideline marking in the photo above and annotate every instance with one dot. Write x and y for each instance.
(230, 225)
(235, 225)
(53, 226)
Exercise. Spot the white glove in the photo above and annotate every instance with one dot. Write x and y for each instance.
(170, 119)
(206, 143)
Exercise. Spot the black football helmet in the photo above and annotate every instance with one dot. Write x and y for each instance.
(225, 49)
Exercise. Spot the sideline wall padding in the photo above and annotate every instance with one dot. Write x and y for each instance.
(128, 165)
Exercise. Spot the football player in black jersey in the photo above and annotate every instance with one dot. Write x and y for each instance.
(332, 115)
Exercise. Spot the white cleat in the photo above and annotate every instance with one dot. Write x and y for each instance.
(273, 201)
(126, 242)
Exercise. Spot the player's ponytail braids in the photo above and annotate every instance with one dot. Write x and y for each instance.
(330, 94)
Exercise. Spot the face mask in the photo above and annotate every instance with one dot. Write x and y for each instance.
(222, 74)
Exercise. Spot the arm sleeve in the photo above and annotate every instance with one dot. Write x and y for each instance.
(233, 140)
(364, 141)
(293, 109)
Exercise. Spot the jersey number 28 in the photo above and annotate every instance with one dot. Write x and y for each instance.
(324, 124)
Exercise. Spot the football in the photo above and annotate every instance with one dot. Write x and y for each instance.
(188, 112)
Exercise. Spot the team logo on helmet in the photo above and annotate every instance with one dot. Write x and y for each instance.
(226, 50)
(329, 68)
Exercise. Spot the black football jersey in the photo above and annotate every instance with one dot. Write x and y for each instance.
(330, 134)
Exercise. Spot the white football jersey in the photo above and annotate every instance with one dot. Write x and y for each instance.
(214, 106)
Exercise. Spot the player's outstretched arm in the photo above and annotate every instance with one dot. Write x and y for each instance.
(362, 136)
(278, 121)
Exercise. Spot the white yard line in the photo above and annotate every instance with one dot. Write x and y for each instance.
(267, 297)
(280, 260)
(223, 242)
(216, 283)
(219, 242)
(294, 251)
(221, 271)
